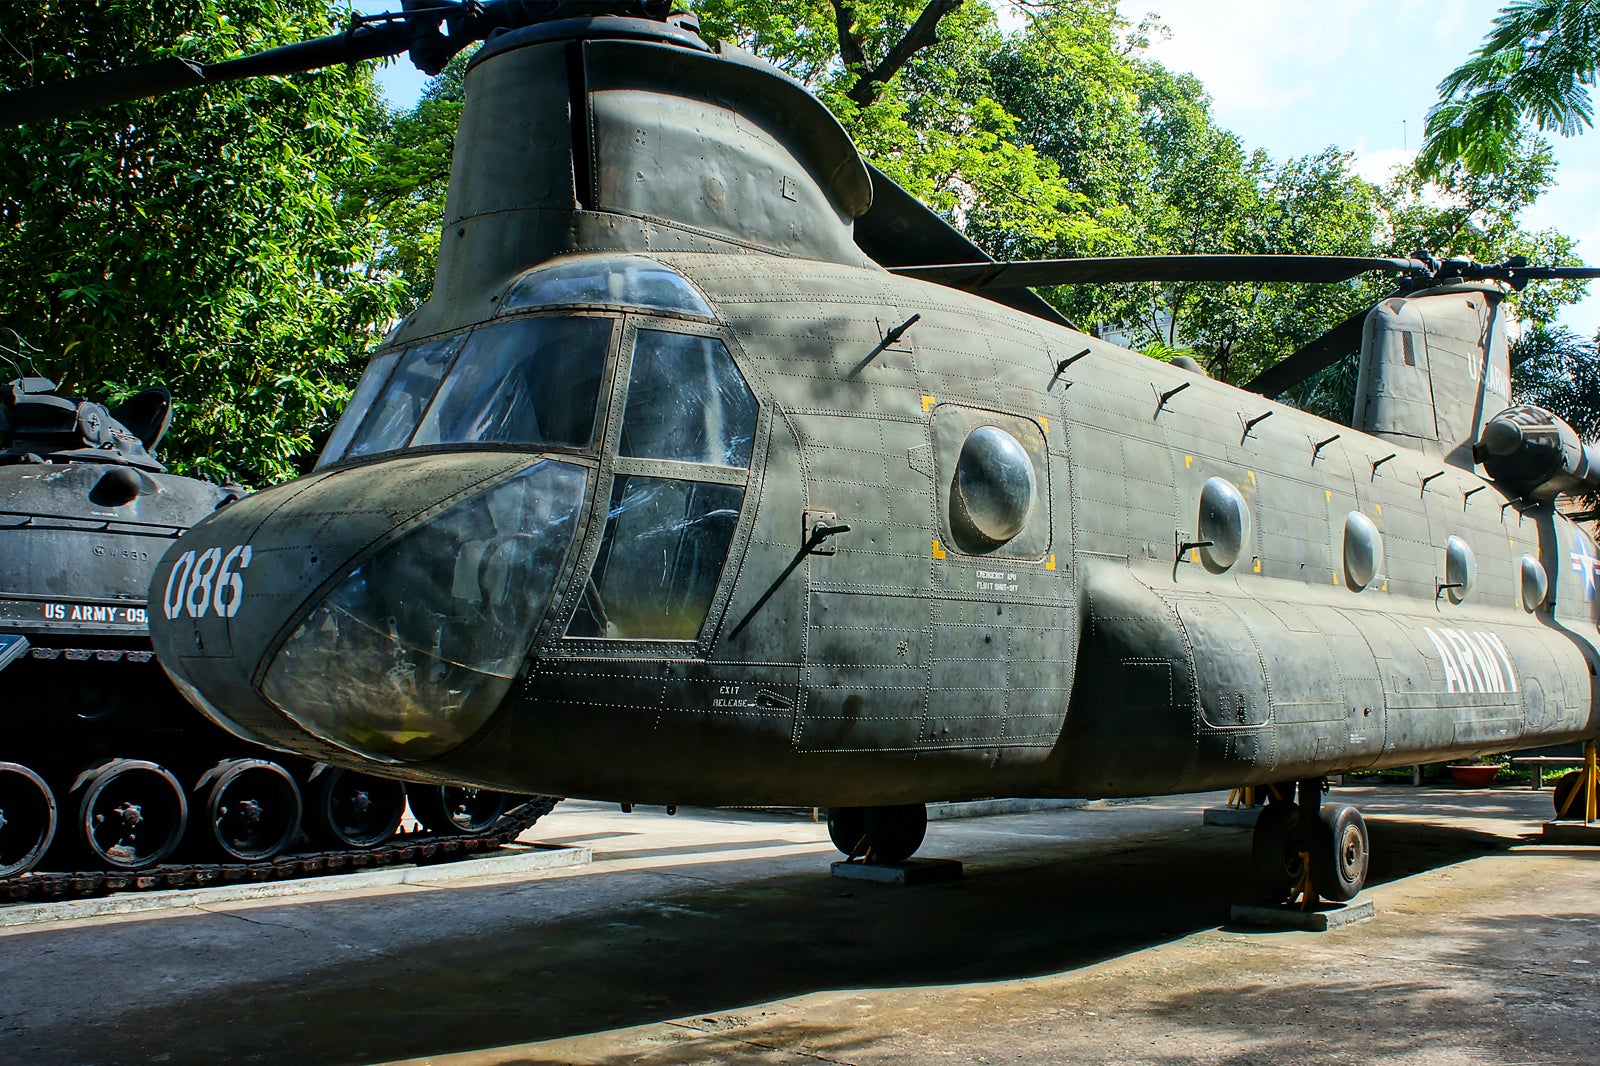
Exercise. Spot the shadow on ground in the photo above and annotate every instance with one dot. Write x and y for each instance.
(506, 965)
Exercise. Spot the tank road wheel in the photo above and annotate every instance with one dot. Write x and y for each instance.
(252, 809)
(27, 819)
(1275, 849)
(847, 828)
(1340, 852)
(129, 814)
(352, 810)
(456, 808)
(1568, 796)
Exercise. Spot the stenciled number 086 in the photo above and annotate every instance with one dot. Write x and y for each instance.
(208, 582)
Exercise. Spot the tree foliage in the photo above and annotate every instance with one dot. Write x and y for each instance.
(197, 239)
(1537, 65)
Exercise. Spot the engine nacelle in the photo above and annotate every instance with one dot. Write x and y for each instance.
(1537, 455)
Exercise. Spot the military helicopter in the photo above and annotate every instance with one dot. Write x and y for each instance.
(718, 470)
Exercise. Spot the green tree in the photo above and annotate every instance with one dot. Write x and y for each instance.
(1537, 65)
(1560, 371)
(404, 191)
(197, 239)
(910, 82)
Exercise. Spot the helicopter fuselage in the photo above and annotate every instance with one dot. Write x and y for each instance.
(1187, 603)
(672, 494)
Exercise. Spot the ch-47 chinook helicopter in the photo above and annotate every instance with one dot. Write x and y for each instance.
(717, 470)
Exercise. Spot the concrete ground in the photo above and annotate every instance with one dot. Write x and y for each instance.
(1095, 934)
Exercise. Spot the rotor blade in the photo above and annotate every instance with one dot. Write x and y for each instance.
(1326, 350)
(899, 231)
(98, 90)
(166, 75)
(1574, 273)
(1130, 268)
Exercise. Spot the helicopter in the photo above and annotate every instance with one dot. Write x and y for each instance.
(718, 470)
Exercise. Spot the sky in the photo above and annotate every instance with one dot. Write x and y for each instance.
(1295, 76)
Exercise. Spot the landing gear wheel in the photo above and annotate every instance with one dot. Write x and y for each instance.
(1340, 852)
(1569, 786)
(129, 813)
(454, 809)
(252, 809)
(895, 833)
(847, 828)
(346, 809)
(27, 819)
(1275, 849)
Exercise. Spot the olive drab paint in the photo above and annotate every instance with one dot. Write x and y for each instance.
(655, 500)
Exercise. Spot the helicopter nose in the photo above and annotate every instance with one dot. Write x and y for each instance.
(381, 610)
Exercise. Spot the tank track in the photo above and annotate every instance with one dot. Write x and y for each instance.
(420, 848)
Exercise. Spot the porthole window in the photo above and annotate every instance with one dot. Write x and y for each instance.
(991, 478)
(993, 492)
(1535, 583)
(1363, 550)
(1459, 569)
(1224, 524)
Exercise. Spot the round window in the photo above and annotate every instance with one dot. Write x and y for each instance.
(1224, 524)
(993, 492)
(1459, 568)
(1363, 550)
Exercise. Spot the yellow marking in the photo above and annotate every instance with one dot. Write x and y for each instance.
(1336, 577)
(1194, 555)
(1187, 459)
(1379, 508)
(1258, 564)
(938, 549)
(1045, 422)
(1386, 584)
(1050, 564)
(1251, 474)
(927, 402)
(1328, 493)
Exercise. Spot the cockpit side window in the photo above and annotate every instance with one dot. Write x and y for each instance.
(664, 546)
(686, 401)
(394, 414)
(522, 381)
(683, 447)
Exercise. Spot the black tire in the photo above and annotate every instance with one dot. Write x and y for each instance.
(1341, 852)
(251, 809)
(346, 809)
(1569, 784)
(847, 828)
(456, 809)
(27, 819)
(1275, 849)
(128, 814)
(895, 833)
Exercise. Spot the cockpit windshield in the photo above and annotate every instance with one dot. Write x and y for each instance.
(522, 381)
(531, 380)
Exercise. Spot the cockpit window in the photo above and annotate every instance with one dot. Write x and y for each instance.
(523, 381)
(394, 415)
(615, 280)
(663, 550)
(686, 401)
(360, 402)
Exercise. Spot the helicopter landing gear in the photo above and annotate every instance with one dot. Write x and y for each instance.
(1305, 851)
(878, 834)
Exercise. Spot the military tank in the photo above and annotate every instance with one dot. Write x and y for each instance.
(109, 779)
